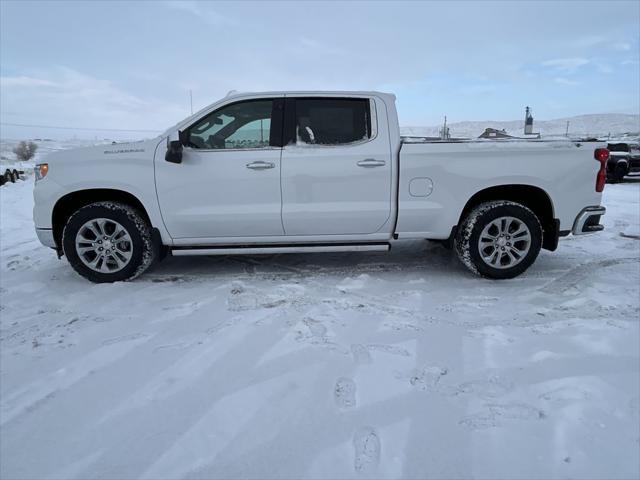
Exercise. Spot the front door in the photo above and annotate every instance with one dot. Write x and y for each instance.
(228, 184)
(336, 168)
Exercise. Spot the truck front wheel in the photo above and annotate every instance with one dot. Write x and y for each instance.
(108, 242)
(499, 239)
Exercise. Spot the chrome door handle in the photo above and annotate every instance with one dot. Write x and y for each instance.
(260, 165)
(371, 162)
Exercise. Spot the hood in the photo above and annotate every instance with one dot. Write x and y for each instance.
(105, 152)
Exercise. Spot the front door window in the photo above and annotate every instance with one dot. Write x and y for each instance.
(238, 125)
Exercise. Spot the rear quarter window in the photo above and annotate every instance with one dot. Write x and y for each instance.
(332, 121)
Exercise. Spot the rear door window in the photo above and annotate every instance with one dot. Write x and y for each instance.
(332, 121)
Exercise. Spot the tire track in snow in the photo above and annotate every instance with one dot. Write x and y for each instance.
(199, 400)
(581, 273)
(33, 395)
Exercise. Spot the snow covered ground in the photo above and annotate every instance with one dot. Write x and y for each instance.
(323, 366)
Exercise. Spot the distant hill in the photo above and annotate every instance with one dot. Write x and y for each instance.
(598, 124)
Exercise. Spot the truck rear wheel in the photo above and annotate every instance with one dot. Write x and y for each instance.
(499, 239)
(108, 242)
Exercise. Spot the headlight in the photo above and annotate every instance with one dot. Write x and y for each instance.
(41, 171)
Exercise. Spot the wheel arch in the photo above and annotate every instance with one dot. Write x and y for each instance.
(532, 197)
(72, 202)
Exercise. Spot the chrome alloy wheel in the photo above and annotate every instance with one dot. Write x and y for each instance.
(504, 242)
(104, 245)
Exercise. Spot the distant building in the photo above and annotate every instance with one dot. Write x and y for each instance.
(494, 133)
(444, 131)
(528, 122)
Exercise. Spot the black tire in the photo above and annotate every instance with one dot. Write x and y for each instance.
(619, 172)
(2, 180)
(16, 174)
(142, 252)
(468, 237)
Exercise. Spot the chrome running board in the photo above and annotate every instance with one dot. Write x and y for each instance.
(270, 249)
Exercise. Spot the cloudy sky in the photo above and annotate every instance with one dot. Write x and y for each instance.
(130, 65)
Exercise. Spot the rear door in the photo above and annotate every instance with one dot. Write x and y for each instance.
(228, 184)
(336, 166)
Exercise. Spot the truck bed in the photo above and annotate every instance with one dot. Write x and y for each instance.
(438, 177)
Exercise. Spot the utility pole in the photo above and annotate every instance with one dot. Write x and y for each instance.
(566, 134)
(191, 100)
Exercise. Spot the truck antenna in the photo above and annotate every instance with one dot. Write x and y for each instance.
(191, 100)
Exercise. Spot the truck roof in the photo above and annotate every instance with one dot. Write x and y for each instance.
(341, 93)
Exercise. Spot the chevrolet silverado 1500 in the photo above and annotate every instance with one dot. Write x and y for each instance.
(294, 172)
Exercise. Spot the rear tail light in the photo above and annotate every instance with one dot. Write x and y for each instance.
(601, 155)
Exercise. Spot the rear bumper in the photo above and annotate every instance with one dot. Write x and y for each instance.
(45, 235)
(588, 220)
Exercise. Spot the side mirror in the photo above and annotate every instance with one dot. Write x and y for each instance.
(183, 136)
(174, 151)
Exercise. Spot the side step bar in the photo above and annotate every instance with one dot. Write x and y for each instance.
(254, 250)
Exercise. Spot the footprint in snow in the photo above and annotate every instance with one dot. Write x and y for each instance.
(367, 450)
(124, 338)
(187, 307)
(390, 349)
(315, 331)
(360, 354)
(494, 415)
(13, 264)
(427, 378)
(240, 300)
(222, 325)
(316, 328)
(345, 393)
(491, 387)
(171, 346)
(401, 326)
(565, 394)
(516, 411)
(237, 288)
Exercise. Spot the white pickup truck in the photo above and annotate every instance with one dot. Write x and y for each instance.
(294, 172)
